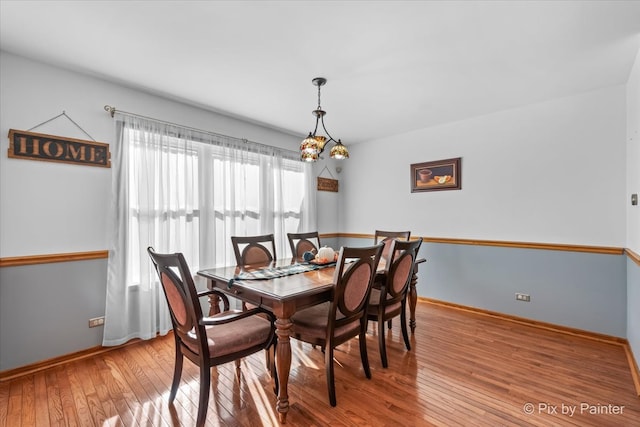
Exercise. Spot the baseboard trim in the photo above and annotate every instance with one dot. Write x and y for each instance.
(635, 372)
(608, 339)
(32, 368)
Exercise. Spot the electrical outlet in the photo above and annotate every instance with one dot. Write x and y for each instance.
(96, 321)
(523, 297)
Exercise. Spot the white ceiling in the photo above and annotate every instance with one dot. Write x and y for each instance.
(392, 66)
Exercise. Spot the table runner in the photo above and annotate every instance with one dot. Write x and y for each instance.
(267, 273)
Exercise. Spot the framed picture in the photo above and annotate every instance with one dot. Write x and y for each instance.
(438, 175)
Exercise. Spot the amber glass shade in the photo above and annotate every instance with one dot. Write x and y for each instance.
(309, 157)
(309, 145)
(320, 141)
(339, 151)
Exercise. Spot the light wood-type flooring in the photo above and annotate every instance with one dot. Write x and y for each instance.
(464, 369)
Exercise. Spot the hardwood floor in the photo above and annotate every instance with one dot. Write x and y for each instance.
(464, 369)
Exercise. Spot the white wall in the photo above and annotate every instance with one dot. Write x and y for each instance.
(56, 208)
(327, 202)
(550, 172)
(633, 212)
(633, 156)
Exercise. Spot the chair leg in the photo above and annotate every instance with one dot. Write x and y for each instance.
(389, 324)
(237, 363)
(405, 332)
(271, 350)
(381, 344)
(363, 350)
(177, 373)
(331, 384)
(203, 402)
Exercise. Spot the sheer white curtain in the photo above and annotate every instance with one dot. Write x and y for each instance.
(183, 190)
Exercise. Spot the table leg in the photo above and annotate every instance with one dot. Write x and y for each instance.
(413, 300)
(283, 366)
(214, 304)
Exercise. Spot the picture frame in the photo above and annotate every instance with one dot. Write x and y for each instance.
(437, 175)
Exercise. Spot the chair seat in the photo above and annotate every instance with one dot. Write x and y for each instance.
(311, 323)
(374, 302)
(234, 336)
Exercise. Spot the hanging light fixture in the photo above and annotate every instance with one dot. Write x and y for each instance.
(313, 145)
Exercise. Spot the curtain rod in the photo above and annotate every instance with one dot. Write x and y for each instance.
(112, 111)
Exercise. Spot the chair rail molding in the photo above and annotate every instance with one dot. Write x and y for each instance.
(610, 250)
(50, 258)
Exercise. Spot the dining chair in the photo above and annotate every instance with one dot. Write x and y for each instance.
(390, 300)
(209, 341)
(303, 242)
(387, 236)
(254, 250)
(343, 317)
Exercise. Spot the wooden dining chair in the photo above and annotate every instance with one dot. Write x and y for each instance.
(390, 300)
(344, 316)
(254, 250)
(209, 341)
(387, 236)
(303, 242)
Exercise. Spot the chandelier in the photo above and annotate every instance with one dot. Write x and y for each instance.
(313, 145)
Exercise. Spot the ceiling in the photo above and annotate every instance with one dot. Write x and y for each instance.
(392, 66)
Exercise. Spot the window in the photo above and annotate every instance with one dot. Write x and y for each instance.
(191, 197)
(181, 190)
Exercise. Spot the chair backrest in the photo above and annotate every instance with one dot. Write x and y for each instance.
(254, 250)
(182, 298)
(386, 237)
(303, 242)
(353, 278)
(399, 269)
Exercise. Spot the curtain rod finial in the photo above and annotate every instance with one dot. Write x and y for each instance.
(109, 109)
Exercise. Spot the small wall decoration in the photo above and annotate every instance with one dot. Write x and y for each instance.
(327, 184)
(437, 175)
(38, 146)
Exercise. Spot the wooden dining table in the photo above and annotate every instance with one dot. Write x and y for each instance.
(283, 296)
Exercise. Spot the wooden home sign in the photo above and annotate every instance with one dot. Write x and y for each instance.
(38, 146)
(326, 184)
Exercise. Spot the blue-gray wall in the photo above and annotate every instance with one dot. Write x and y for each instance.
(579, 290)
(633, 308)
(45, 309)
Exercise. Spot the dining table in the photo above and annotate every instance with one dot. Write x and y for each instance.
(284, 287)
